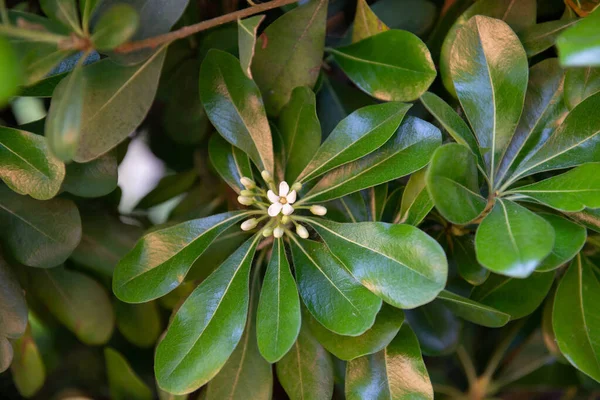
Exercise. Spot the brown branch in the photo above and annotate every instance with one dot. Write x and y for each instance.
(204, 25)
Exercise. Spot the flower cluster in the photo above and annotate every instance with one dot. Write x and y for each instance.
(276, 208)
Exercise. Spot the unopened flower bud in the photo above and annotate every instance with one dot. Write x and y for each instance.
(268, 231)
(318, 210)
(301, 231)
(247, 193)
(297, 186)
(266, 175)
(278, 232)
(247, 182)
(249, 224)
(247, 201)
(285, 219)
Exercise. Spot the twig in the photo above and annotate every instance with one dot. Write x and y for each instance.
(192, 29)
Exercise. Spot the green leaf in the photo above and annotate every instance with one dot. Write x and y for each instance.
(350, 208)
(400, 75)
(386, 326)
(452, 123)
(409, 150)
(462, 254)
(28, 370)
(278, 317)
(306, 371)
(437, 328)
(579, 46)
(139, 323)
(572, 191)
(518, 14)
(63, 124)
(77, 301)
(330, 292)
(357, 135)
(247, 29)
(13, 312)
(397, 372)
(513, 241)
(377, 197)
(570, 238)
(300, 130)
(514, 296)
(234, 106)
(11, 75)
(473, 311)
(123, 382)
(576, 141)
(289, 53)
(540, 37)
(416, 202)
(63, 11)
(490, 84)
(387, 259)
(453, 183)
(38, 233)
(207, 327)
(246, 375)
(87, 8)
(115, 26)
(27, 166)
(230, 162)
(366, 23)
(169, 187)
(574, 317)
(581, 83)
(96, 178)
(161, 259)
(6, 354)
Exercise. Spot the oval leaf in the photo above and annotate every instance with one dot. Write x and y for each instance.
(10, 72)
(366, 23)
(28, 370)
(570, 238)
(416, 202)
(473, 311)
(139, 323)
(96, 178)
(436, 327)
(579, 45)
(247, 29)
(123, 382)
(115, 26)
(581, 83)
(230, 162)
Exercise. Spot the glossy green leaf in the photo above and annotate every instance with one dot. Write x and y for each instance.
(11, 75)
(306, 371)
(247, 29)
(139, 323)
(230, 162)
(96, 178)
(513, 241)
(28, 370)
(77, 301)
(473, 311)
(581, 83)
(384, 329)
(490, 84)
(13, 312)
(366, 23)
(246, 374)
(63, 11)
(161, 259)
(464, 257)
(540, 37)
(278, 317)
(63, 124)
(574, 318)
(416, 201)
(579, 46)
(115, 26)
(518, 14)
(38, 233)
(289, 53)
(387, 259)
(452, 123)
(115, 101)
(350, 208)
(300, 130)
(569, 240)
(436, 327)
(400, 75)
(357, 135)
(416, 16)
(453, 183)
(27, 166)
(169, 187)
(207, 327)
(572, 191)
(332, 294)
(409, 150)
(234, 106)
(514, 296)
(123, 382)
(396, 373)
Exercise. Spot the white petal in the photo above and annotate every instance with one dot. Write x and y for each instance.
(291, 197)
(287, 209)
(284, 188)
(273, 198)
(274, 209)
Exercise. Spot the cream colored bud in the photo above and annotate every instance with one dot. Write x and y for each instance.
(266, 175)
(297, 186)
(285, 219)
(301, 231)
(247, 193)
(318, 210)
(249, 224)
(278, 232)
(247, 201)
(268, 231)
(247, 182)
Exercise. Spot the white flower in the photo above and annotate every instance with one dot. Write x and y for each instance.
(281, 203)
